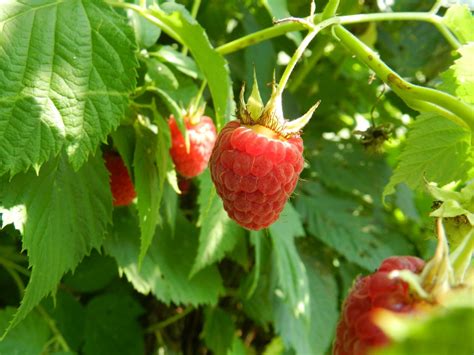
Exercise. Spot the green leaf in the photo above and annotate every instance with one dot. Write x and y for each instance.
(68, 315)
(437, 333)
(34, 328)
(149, 180)
(315, 336)
(180, 61)
(165, 268)
(218, 234)
(336, 222)
(67, 69)
(461, 22)
(67, 216)
(124, 141)
(436, 150)
(145, 32)
(238, 347)
(256, 288)
(275, 347)
(288, 225)
(348, 167)
(112, 326)
(92, 274)
(188, 32)
(219, 329)
(458, 79)
(161, 75)
(291, 273)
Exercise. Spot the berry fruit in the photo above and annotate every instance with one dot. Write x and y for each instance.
(202, 136)
(356, 332)
(255, 171)
(257, 160)
(121, 185)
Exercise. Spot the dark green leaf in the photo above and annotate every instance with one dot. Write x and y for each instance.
(92, 274)
(34, 328)
(148, 184)
(219, 329)
(165, 268)
(68, 315)
(124, 141)
(218, 234)
(337, 222)
(111, 325)
(66, 215)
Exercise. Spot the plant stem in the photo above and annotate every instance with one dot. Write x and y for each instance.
(13, 266)
(294, 59)
(52, 325)
(259, 36)
(283, 28)
(160, 325)
(440, 102)
(18, 281)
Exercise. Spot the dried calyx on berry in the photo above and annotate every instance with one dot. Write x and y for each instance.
(254, 113)
(257, 160)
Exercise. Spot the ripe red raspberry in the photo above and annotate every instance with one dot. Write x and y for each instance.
(121, 185)
(202, 136)
(356, 332)
(255, 170)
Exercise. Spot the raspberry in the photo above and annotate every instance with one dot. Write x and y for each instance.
(257, 160)
(255, 170)
(202, 136)
(121, 185)
(356, 332)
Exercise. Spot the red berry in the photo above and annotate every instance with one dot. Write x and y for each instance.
(356, 332)
(202, 136)
(121, 185)
(255, 170)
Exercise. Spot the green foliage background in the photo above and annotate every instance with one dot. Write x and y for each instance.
(172, 273)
